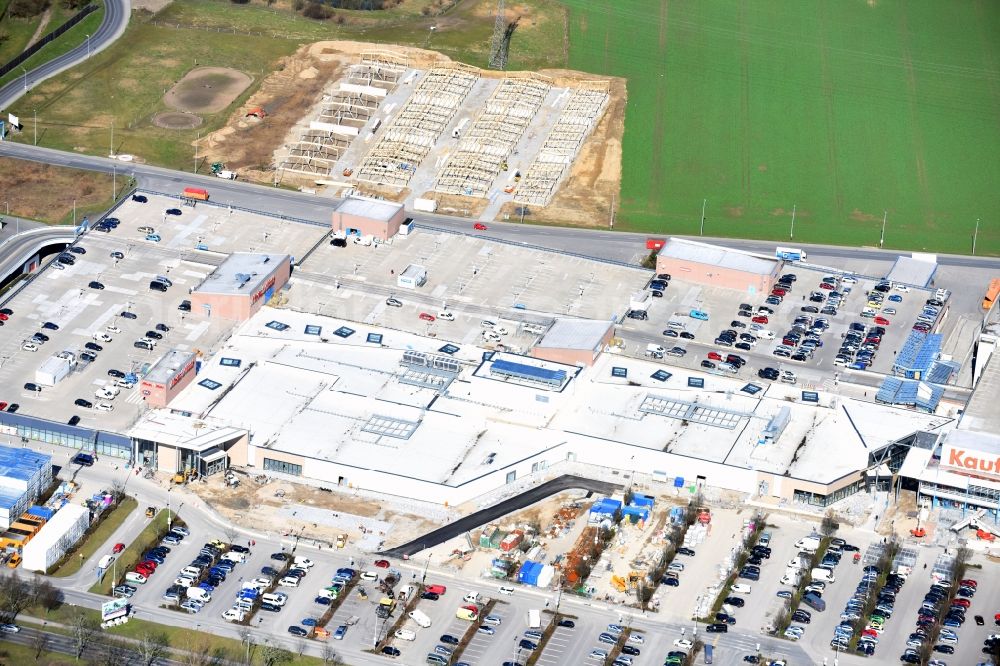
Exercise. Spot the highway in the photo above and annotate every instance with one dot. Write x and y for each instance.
(116, 16)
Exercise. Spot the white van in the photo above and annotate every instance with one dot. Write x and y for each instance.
(276, 599)
(106, 562)
(234, 615)
(199, 594)
(420, 618)
(244, 605)
(506, 589)
(233, 556)
(471, 597)
(304, 562)
(405, 634)
(135, 577)
(289, 581)
(824, 575)
(740, 588)
(191, 571)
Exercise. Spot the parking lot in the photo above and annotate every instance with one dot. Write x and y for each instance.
(671, 324)
(99, 302)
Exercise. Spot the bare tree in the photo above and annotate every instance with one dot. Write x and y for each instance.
(329, 655)
(39, 641)
(829, 524)
(113, 651)
(83, 629)
(47, 595)
(117, 489)
(200, 652)
(275, 655)
(16, 594)
(152, 647)
(231, 533)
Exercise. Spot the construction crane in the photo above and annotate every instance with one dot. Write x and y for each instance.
(502, 33)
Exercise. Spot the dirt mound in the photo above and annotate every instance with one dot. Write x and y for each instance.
(176, 120)
(207, 90)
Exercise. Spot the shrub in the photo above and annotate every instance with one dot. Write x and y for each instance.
(27, 8)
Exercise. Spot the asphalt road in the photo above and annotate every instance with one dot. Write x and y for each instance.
(489, 514)
(603, 244)
(116, 16)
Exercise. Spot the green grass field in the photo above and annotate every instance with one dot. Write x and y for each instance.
(843, 108)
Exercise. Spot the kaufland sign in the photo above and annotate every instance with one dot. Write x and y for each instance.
(970, 461)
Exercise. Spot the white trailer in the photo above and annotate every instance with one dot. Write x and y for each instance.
(55, 368)
(425, 205)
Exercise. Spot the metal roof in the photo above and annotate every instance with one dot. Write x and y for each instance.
(981, 412)
(374, 209)
(529, 372)
(723, 257)
(896, 391)
(909, 270)
(21, 464)
(585, 334)
(918, 353)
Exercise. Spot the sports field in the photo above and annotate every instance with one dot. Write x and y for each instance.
(842, 108)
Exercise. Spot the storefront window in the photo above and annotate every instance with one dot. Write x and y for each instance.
(282, 466)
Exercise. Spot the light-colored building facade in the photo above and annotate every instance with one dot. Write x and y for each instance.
(361, 216)
(171, 375)
(241, 285)
(717, 266)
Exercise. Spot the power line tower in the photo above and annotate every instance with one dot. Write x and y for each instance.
(498, 46)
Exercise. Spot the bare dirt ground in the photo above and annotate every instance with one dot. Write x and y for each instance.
(291, 94)
(207, 89)
(256, 506)
(42, 192)
(151, 6)
(585, 195)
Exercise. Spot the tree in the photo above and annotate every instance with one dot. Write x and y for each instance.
(329, 655)
(230, 532)
(113, 651)
(200, 652)
(829, 524)
(47, 595)
(16, 594)
(39, 641)
(152, 647)
(275, 655)
(83, 628)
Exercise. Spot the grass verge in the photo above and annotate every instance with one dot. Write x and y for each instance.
(95, 537)
(68, 41)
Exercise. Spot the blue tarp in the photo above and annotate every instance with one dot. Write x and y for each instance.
(679, 482)
(607, 506)
(528, 573)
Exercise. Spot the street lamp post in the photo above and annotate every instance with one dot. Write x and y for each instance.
(701, 230)
(88, 46)
(791, 231)
(881, 239)
(975, 235)
(25, 79)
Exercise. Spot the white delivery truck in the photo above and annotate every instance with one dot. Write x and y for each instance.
(824, 575)
(534, 618)
(810, 544)
(420, 618)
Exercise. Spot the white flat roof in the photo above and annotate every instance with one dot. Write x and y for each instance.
(981, 413)
(241, 273)
(585, 334)
(168, 365)
(344, 399)
(716, 255)
(375, 209)
(912, 270)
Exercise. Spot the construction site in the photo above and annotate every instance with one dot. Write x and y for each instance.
(412, 126)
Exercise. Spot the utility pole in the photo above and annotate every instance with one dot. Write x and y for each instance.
(196, 152)
(975, 235)
(611, 221)
(881, 239)
(791, 232)
(701, 231)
